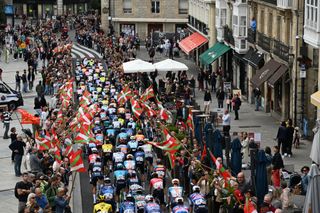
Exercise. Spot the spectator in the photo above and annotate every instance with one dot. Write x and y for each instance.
(290, 133)
(304, 179)
(24, 81)
(6, 118)
(269, 166)
(18, 148)
(40, 89)
(61, 201)
(18, 82)
(35, 161)
(236, 106)
(277, 164)
(220, 96)
(207, 101)
(52, 191)
(22, 190)
(13, 137)
(282, 138)
(41, 199)
(257, 98)
(244, 186)
(226, 122)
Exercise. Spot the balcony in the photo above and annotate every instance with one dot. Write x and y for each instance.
(281, 50)
(264, 41)
(251, 36)
(285, 4)
(228, 35)
(270, 1)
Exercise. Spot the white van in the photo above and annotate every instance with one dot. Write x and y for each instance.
(10, 97)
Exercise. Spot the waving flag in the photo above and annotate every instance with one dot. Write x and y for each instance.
(136, 108)
(164, 114)
(190, 123)
(43, 143)
(76, 162)
(85, 135)
(85, 99)
(57, 155)
(148, 93)
(124, 95)
(172, 157)
(225, 174)
(150, 112)
(27, 118)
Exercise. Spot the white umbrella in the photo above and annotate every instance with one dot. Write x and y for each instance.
(137, 65)
(313, 191)
(315, 150)
(170, 65)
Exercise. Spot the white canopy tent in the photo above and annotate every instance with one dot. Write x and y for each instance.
(137, 66)
(170, 65)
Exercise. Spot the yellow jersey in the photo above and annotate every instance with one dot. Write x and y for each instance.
(107, 147)
(102, 208)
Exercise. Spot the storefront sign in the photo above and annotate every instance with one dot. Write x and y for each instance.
(236, 92)
(226, 86)
(303, 71)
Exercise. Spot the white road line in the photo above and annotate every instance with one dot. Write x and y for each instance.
(88, 49)
(73, 55)
(79, 54)
(88, 53)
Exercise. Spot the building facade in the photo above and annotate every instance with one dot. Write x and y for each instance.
(143, 17)
(47, 8)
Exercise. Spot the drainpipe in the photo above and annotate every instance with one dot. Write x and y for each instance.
(296, 66)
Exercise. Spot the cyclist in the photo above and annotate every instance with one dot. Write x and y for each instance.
(174, 192)
(133, 145)
(101, 205)
(95, 173)
(130, 163)
(107, 155)
(139, 199)
(94, 155)
(120, 178)
(107, 190)
(180, 207)
(139, 157)
(156, 187)
(151, 206)
(160, 169)
(118, 157)
(133, 178)
(197, 201)
(123, 146)
(128, 205)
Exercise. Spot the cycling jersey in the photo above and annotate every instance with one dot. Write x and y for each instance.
(92, 145)
(118, 157)
(160, 170)
(102, 208)
(180, 209)
(133, 124)
(139, 137)
(123, 135)
(116, 124)
(99, 137)
(127, 207)
(107, 148)
(123, 148)
(174, 192)
(97, 169)
(107, 191)
(129, 131)
(139, 157)
(120, 176)
(147, 148)
(156, 183)
(139, 201)
(129, 164)
(197, 200)
(133, 181)
(93, 157)
(152, 207)
(133, 145)
(111, 132)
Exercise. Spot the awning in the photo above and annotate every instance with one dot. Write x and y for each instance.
(254, 58)
(191, 42)
(170, 65)
(137, 66)
(265, 72)
(315, 99)
(213, 53)
(277, 75)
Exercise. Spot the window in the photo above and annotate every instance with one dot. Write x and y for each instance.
(243, 26)
(3, 89)
(183, 6)
(243, 44)
(311, 11)
(127, 6)
(315, 58)
(270, 25)
(278, 27)
(262, 22)
(223, 17)
(155, 6)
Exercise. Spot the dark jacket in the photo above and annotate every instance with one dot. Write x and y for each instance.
(237, 103)
(277, 161)
(207, 96)
(282, 133)
(17, 145)
(220, 95)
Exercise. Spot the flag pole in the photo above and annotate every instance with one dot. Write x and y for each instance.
(73, 181)
(18, 119)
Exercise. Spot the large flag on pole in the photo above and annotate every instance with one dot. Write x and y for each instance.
(225, 174)
(125, 95)
(148, 93)
(28, 118)
(136, 108)
(85, 99)
(76, 162)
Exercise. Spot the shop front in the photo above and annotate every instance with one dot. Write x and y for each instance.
(128, 29)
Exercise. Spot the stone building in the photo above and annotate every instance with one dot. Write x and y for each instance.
(143, 17)
(48, 8)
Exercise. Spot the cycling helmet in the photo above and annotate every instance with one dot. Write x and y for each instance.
(94, 150)
(107, 180)
(159, 161)
(132, 137)
(175, 181)
(154, 175)
(129, 157)
(196, 189)
(149, 198)
(179, 200)
(129, 197)
(101, 198)
(119, 166)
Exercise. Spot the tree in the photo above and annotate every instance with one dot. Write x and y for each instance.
(96, 5)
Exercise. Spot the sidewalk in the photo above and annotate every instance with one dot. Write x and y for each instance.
(250, 120)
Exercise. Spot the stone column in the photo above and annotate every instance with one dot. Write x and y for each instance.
(104, 15)
(60, 7)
